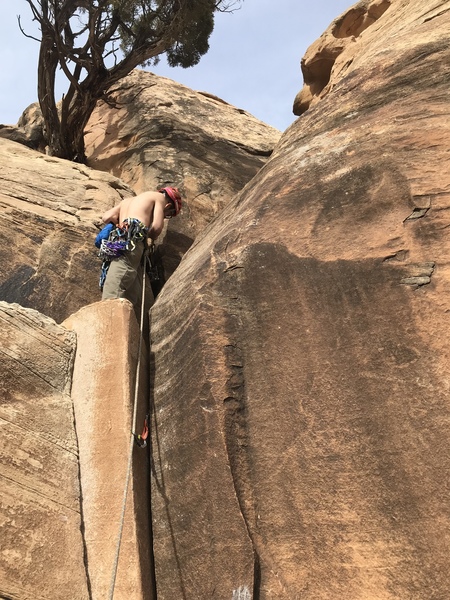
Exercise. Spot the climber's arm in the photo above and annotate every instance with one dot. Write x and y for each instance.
(112, 215)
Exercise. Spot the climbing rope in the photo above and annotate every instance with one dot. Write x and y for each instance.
(132, 441)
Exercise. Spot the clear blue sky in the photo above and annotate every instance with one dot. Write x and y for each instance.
(253, 61)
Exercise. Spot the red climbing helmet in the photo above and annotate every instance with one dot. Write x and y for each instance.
(174, 195)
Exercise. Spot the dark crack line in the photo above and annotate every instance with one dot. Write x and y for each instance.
(39, 435)
(38, 493)
(35, 373)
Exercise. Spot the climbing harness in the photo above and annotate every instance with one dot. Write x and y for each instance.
(140, 440)
(122, 238)
(113, 241)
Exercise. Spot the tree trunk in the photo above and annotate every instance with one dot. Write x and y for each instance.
(48, 62)
(64, 123)
(73, 122)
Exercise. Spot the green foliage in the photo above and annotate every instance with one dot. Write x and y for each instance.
(186, 34)
(97, 42)
(193, 42)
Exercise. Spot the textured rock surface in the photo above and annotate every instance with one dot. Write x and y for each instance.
(29, 129)
(161, 132)
(49, 206)
(41, 546)
(301, 415)
(330, 57)
(164, 133)
(103, 397)
(301, 389)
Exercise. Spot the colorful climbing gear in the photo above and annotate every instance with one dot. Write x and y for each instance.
(103, 234)
(121, 238)
(141, 439)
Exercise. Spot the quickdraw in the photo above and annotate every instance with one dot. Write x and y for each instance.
(110, 249)
(141, 440)
(119, 239)
(122, 238)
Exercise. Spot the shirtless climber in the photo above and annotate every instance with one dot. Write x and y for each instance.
(135, 219)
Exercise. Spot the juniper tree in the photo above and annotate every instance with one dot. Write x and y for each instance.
(97, 42)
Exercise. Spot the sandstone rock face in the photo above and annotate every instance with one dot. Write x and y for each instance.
(48, 260)
(332, 55)
(65, 467)
(299, 385)
(29, 129)
(40, 543)
(103, 393)
(301, 389)
(162, 133)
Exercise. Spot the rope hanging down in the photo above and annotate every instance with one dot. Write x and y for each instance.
(133, 439)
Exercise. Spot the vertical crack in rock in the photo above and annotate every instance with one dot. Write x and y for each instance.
(83, 527)
(237, 444)
(80, 489)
